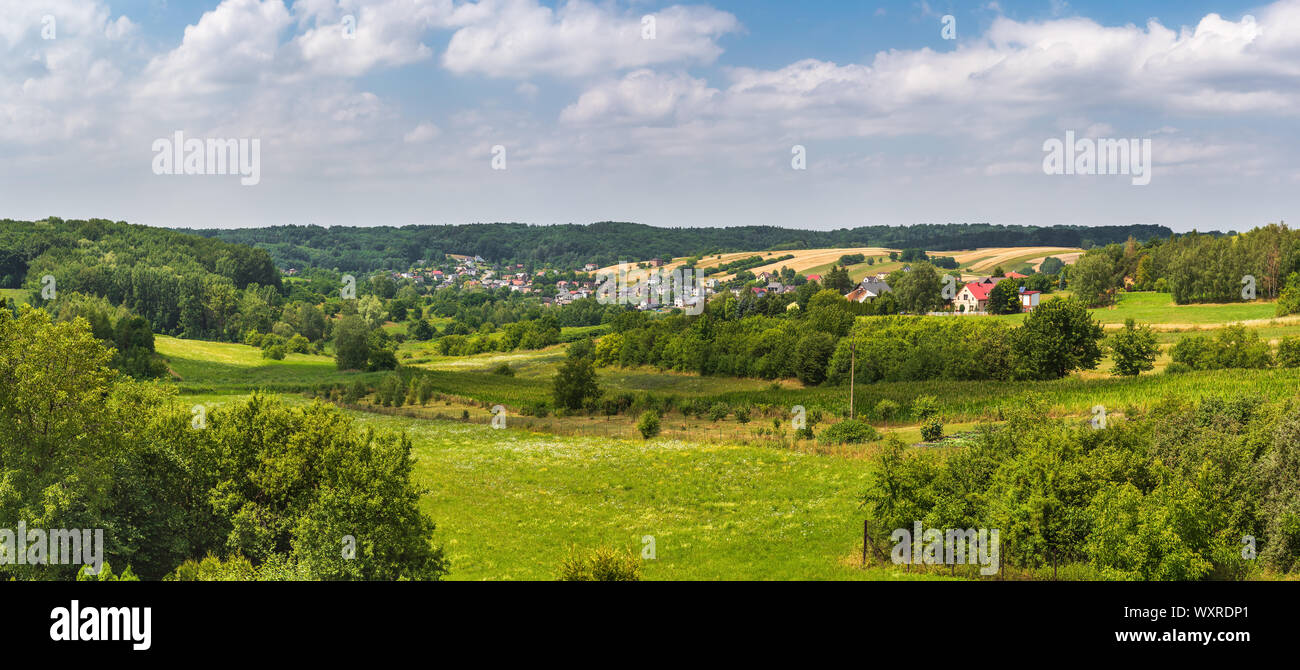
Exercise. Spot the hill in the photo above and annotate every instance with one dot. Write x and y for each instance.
(570, 246)
(819, 261)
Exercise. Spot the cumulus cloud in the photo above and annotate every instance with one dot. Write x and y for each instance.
(1017, 70)
(300, 75)
(642, 96)
(421, 133)
(44, 83)
(522, 38)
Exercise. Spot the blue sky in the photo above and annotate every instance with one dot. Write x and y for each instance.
(693, 128)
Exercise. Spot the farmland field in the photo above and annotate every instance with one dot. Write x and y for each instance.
(818, 261)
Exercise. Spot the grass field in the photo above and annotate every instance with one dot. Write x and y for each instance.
(714, 511)
(719, 502)
(18, 295)
(1159, 311)
(200, 365)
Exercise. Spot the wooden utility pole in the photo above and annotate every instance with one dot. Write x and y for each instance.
(853, 365)
(864, 542)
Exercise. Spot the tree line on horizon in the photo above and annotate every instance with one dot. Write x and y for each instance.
(570, 246)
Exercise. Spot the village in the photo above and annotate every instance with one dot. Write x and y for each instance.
(557, 288)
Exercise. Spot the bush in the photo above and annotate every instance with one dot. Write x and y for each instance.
(718, 411)
(504, 370)
(1288, 352)
(849, 431)
(537, 408)
(1231, 347)
(603, 564)
(932, 431)
(274, 352)
(648, 424)
(886, 409)
(381, 359)
(925, 407)
(1134, 349)
(742, 414)
(298, 345)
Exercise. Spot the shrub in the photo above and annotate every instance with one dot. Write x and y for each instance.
(356, 391)
(648, 424)
(298, 345)
(602, 564)
(886, 409)
(1134, 349)
(381, 359)
(718, 411)
(1231, 347)
(1288, 352)
(849, 431)
(274, 352)
(925, 407)
(504, 370)
(742, 414)
(932, 431)
(271, 339)
(537, 408)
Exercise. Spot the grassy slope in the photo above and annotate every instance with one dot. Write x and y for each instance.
(18, 295)
(1159, 309)
(509, 503)
(201, 365)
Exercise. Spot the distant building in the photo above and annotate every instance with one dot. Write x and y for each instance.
(868, 290)
(974, 297)
(1029, 300)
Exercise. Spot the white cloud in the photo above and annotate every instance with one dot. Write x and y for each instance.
(528, 90)
(97, 96)
(421, 133)
(230, 46)
(521, 38)
(642, 96)
(387, 33)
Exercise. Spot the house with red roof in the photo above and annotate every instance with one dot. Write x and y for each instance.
(973, 297)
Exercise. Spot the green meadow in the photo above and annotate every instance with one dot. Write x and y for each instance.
(510, 503)
(18, 295)
(202, 366)
(1159, 309)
